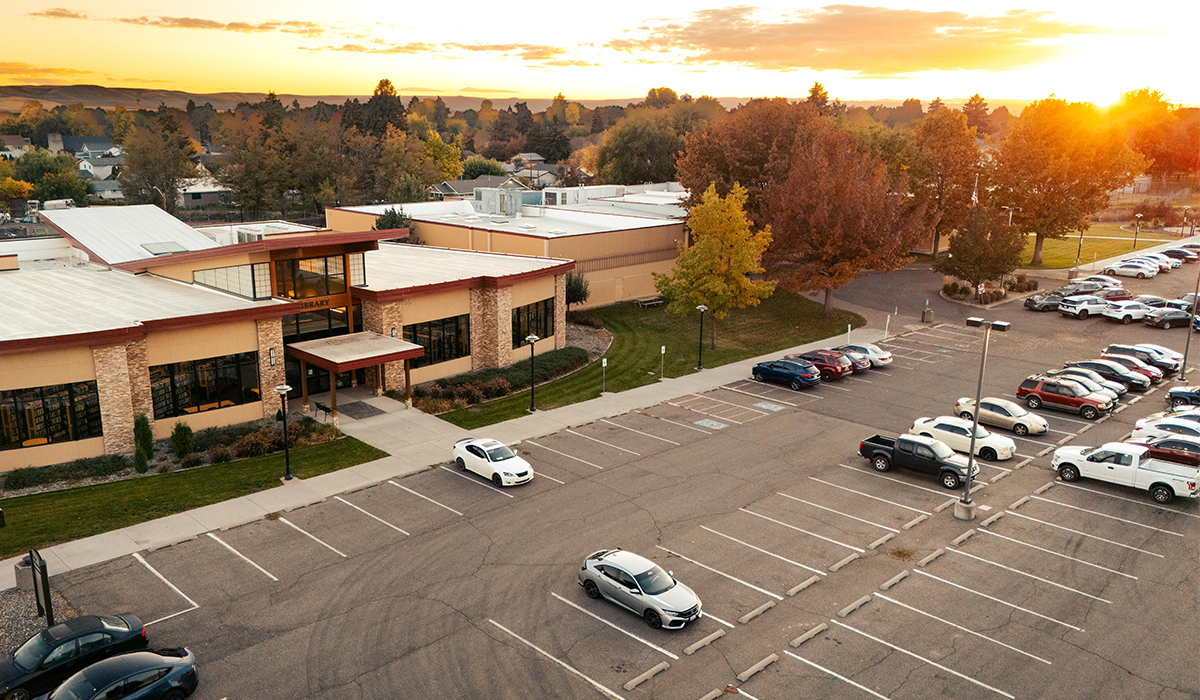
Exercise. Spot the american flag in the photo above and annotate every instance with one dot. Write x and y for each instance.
(975, 193)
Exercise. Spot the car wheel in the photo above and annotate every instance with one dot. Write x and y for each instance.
(653, 619)
(826, 375)
(1166, 325)
(1033, 401)
(590, 588)
(1089, 412)
(174, 694)
(497, 480)
(950, 480)
(988, 453)
(881, 463)
(1141, 275)
(966, 415)
(1161, 494)
(1110, 272)
(758, 377)
(796, 386)
(1068, 473)
(1083, 313)
(18, 694)
(1178, 402)
(461, 464)
(1126, 320)
(1021, 429)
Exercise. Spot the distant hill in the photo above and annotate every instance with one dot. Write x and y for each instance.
(12, 97)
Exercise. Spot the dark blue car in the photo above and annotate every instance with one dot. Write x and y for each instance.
(794, 373)
(1184, 396)
(159, 674)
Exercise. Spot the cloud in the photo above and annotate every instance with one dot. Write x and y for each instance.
(875, 41)
(59, 13)
(308, 29)
(406, 48)
(490, 91)
(17, 69)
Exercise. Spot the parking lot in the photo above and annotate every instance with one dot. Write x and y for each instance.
(441, 585)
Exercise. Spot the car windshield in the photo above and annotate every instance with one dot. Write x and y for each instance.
(1088, 450)
(31, 653)
(501, 453)
(941, 450)
(1078, 389)
(1016, 411)
(655, 581)
(77, 687)
(981, 432)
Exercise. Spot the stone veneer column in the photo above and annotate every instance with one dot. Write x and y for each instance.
(139, 379)
(491, 326)
(116, 400)
(560, 311)
(382, 318)
(270, 335)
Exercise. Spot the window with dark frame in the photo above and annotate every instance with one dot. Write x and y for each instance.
(57, 413)
(536, 318)
(443, 339)
(195, 386)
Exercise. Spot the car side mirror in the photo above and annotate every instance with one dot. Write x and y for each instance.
(635, 591)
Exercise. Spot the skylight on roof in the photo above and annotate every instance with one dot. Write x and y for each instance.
(164, 248)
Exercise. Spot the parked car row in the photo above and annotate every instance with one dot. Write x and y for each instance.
(811, 368)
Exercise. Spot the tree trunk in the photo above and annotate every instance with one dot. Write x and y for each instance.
(1037, 250)
(828, 301)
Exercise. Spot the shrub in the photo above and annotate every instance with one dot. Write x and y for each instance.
(949, 289)
(219, 454)
(227, 435)
(183, 443)
(191, 460)
(261, 442)
(495, 388)
(1033, 285)
(143, 437)
(28, 477)
(585, 319)
(1022, 278)
(140, 463)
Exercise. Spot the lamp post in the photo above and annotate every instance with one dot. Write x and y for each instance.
(1137, 229)
(964, 509)
(1187, 346)
(531, 339)
(1184, 226)
(700, 355)
(1010, 209)
(283, 390)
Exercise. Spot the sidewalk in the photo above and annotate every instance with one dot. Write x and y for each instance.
(1091, 268)
(415, 442)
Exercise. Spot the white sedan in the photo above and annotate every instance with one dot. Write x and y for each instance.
(956, 433)
(1165, 427)
(877, 355)
(492, 459)
(1132, 269)
(1102, 279)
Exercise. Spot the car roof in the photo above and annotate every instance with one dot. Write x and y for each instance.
(1003, 402)
(633, 563)
(75, 626)
(103, 673)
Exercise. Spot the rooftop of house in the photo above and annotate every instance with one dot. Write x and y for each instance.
(114, 235)
(465, 187)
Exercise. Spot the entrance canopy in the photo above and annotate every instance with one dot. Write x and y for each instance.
(343, 353)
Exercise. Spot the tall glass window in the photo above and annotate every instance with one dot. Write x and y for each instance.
(536, 318)
(321, 323)
(443, 339)
(311, 277)
(250, 281)
(181, 388)
(40, 415)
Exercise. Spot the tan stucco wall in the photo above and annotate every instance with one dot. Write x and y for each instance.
(534, 290)
(220, 417)
(443, 236)
(612, 243)
(47, 368)
(183, 272)
(622, 283)
(53, 453)
(522, 353)
(441, 369)
(435, 306)
(340, 220)
(199, 343)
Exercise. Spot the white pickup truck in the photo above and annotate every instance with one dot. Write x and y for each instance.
(1127, 464)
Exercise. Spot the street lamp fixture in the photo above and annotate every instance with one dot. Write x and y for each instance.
(700, 355)
(1137, 229)
(531, 339)
(1184, 226)
(1010, 209)
(283, 390)
(965, 509)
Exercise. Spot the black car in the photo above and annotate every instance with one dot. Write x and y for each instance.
(1154, 359)
(1167, 317)
(49, 657)
(794, 373)
(1184, 396)
(159, 674)
(1114, 372)
(1182, 254)
(1049, 300)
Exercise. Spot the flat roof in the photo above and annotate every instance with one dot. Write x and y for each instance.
(90, 298)
(403, 266)
(342, 353)
(117, 235)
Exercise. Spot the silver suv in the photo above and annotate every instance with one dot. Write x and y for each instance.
(639, 585)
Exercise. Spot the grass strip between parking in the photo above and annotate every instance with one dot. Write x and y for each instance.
(635, 358)
(44, 519)
(1100, 242)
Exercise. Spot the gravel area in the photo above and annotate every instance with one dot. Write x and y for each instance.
(594, 340)
(19, 619)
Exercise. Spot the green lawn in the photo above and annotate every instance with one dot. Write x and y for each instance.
(1101, 241)
(43, 519)
(634, 359)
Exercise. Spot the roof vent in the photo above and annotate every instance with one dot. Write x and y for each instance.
(557, 230)
(527, 227)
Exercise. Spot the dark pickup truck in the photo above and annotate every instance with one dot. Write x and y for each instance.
(918, 453)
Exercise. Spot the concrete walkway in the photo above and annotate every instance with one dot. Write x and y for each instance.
(415, 442)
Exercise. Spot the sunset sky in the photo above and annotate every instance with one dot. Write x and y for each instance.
(610, 49)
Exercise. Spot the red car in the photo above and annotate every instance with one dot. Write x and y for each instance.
(1113, 294)
(1174, 448)
(831, 363)
(1154, 374)
(1063, 394)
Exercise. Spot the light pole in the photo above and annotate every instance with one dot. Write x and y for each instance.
(1191, 329)
(965, 509)
(1137, 229)
(531, 339)
(700, 355)
(1184, 227)
(1010, 209)
(283, 390)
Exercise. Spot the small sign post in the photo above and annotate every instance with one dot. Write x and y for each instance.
(41, 587)
(603, 374)
(662, 359)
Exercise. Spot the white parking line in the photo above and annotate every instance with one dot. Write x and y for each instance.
(564, 454)
(162, 578)
(1084, 534)
(681, 425)
(1131, 500)
(609, 444)
(722, 573)
(369, 515)
(544, 475)
(1106, 515)
(628, 634)
(759, 396)
(839, 677)
(476, 482)
(831, 386)
(242, 556)
(759, 549)
(1026, 573)
(922, 658)
(1057, 554)
(443, 505)
(311, 536)
(706, 413)
(730, 403)
(563, 664)
(1039, 442)
(639, 432)
(831, 510)
(877, 498)
(997, 600)
(964, 629)
(898, 481)
(800, 529)
(1060, 432)
(856, 379)
(706, 613)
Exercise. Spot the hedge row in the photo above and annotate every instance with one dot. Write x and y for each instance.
(546, 366)
(104, 465)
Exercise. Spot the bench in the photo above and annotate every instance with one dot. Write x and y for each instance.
(646, 302)
(323, 408)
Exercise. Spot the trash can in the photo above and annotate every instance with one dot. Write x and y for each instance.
(24, 574)
(927, 315)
